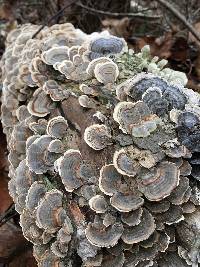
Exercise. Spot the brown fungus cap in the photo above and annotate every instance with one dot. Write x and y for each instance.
(50, 214)
(97, 136)
(68, 167)
(140, 232)
(159, 182)
(98, 204)
(126, 202)
(102, 236)
(57, 127)
(40, 105)
(110, 180)
(39, 159)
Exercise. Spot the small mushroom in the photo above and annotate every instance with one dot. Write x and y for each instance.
(57, 127)
(140, 232)
(132, 218)
(105, 46)
(88, 90)
(55, 54)
(135, 118)
(29, 228)
(106, 73)
(35, 193)
(110, 180)
(126, 202)
(56, 92)
(97, 136)
(40, 105)
(98, 204)
(93, 63)
(38, 127)
(160, 181)
(56, 146)
(39, 159)
(124, 164)
(50, 214)
(86, 101)
(68, 167)
(101, 236)
(177, 197)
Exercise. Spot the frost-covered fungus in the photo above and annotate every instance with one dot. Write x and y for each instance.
(60, 246)
(181, 193)
(174, 149)
(18, 137)
(56, 146)
(74, 69)
(126, 202)
(69, 169)
(124, 164)
(50, 214)
(39, 159)
(106, 73)
(35, 193)
(22, 113)
(40, 104)
(158, 182)
(86, 101)
(105, 46)
(157, 207)
(153, 98)
(132, 218)
(38, 127)
(129, 160)
(56, 92)
(140, 232)
(135, 118)
(29, 228)
(50, 260)
(25, 77)
(101, 236)
(112, 260)
(188, 119)
(98, 203)
(188, 130)
(189, 250)
(173, 94)
(91, 67)
(55, 54)
(97, 136)
(110, 180)
(57, 127)
(24, 178)
(88, 90)
(39, 71)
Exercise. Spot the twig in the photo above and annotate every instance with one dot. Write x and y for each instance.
(8, 214)
(114, 14)
(180, 17)
(58, 14)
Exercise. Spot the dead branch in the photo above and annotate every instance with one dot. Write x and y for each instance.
(115, 14)
(180, 17)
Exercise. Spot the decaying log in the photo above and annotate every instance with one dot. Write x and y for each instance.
(103, 150)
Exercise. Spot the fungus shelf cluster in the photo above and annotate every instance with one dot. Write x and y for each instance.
(104, 151)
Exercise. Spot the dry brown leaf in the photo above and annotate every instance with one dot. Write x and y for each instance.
(118, 27)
